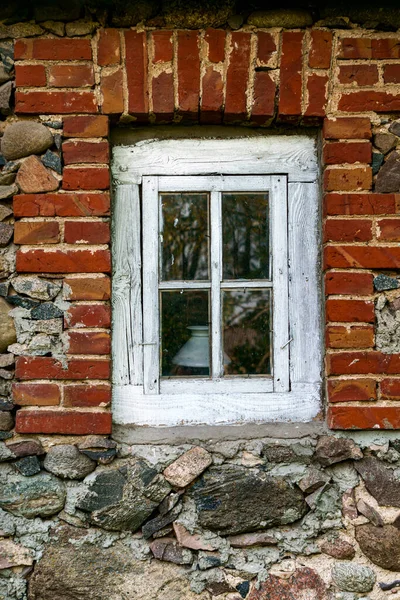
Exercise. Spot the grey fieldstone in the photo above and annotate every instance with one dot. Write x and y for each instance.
(74, 569)
(160, 522)
(55, 27)
(232, 499)
(388, 178)
(313, 480)
(81, 27)
(280, 18)
(5, 453)
(22, 302)
(6, 404)
(39, 496)
(7, 191)
(384, 282)
(352, 577)
(380, 481)
(54, 124)
(53, 161)
(385, 142)
(380, 544)
(122, 499)
(6, 233)
(6, 421)
(28, 466)
(7, 178)
(4, 286)
(331, 450)
(370, 513)
(26, 448)
(35, 287)
(48, 10)
(235, 22)
(7, 327)
(377, 162)
(395, 128)
(5, 98)
(25, 138)
(67, 462)
(6, 360)
(4, 74)
(46, 311)
(127, 14)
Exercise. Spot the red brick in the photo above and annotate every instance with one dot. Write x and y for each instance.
(62, 205)
(358, 178)
(88, 315)
(36, 394)
(86, 232)
(111, 87)
(136, 71)
(362, 363)
(63, 261)
(108, 47)
(317, 88)
(359, 74)
(266, 46)
(86, 178)
(63, 422)
(291, 78)
(85, 152)
(87, 288)
(350, 310)
(347, 128)
(378, 48)
(86, 126)
(360, 204)
(30, 75)
(390, 389)
(188, 73)
(363, 417)
(347, 230)
(53, 49)
(363, 257)
(347, 282)
(216, 44)
(264, 97)
(162, 44)
(369, 101)
(163, 96)
(88, 342)
(391, 73)
(43, 367)
(237, 77)
(320, 49)
(347, 152)
(36, 232)
(340, 336)
(59, 102)
(351, 390)
(71, 76)
(212, 97)
(388, 230)
(87, 395)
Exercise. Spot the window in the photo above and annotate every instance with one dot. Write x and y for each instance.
(216, 285)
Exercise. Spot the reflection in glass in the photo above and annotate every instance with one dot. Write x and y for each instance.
(246, 331)
(245, 226)
(185, 346)
(184, 236)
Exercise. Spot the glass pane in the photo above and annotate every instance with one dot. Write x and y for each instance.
(185, 344)
(245, 231)
(246, 332)
(184, 239)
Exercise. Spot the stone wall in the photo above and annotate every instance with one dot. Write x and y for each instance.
(84, 517)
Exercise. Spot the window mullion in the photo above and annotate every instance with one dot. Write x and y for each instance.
(216, 277)
(151, 321)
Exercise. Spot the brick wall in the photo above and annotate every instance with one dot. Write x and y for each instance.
(339, 79)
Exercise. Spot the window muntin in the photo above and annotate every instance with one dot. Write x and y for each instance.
(261, 220)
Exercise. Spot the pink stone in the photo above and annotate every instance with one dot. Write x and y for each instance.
(304, 583)
(339, 548)
(13, 555)
(189, 540)
(349, 509)
(167, 549)
(244, 540)
(33, 177)
(187, 467)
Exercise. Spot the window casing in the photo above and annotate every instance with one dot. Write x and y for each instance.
(141, 395)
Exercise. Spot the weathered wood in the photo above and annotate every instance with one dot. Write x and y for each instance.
(127, 288)
(305, 283)
(292, 155)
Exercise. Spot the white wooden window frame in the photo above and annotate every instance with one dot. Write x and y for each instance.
(286, 167)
